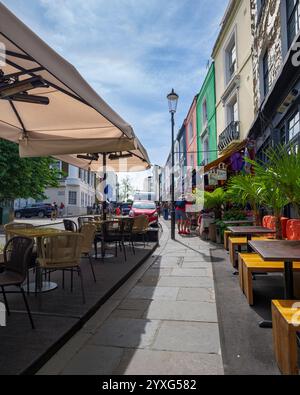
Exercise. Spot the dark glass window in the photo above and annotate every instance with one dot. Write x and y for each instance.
(261, 154)
(293, 19)
(266, 73)
(294, 127)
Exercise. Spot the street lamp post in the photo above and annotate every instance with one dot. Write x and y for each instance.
(173, 101)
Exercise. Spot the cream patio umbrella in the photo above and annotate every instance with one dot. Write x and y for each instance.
(46, 106)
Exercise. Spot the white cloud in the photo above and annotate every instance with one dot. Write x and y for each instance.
(133, 52)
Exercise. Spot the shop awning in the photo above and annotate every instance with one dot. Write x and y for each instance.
(47, 107)
(235, 148)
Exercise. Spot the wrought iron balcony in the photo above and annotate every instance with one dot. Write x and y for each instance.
(230, 134)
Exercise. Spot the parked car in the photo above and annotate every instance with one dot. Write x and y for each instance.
(35, 210)
(125, 208)
(145, 208)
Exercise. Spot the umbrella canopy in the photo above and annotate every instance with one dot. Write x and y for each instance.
(46, 106)
(127, 161)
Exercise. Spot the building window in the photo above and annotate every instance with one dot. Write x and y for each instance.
(293, 19)
(266, 73)
(191, 132)
(82, 199)
(231, 59)
(294, 127)
(72, 198)
(205, 145)
(204, 112)
(233, 111)
(261, 154)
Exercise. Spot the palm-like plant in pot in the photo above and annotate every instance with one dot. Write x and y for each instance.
(280, 177)
(247, 189)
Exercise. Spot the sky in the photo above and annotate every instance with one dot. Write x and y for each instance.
(133, 52)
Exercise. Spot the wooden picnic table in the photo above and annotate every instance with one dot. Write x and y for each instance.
(239, 222)
(280, 251)
(249, 232)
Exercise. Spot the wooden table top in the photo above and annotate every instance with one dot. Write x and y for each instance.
(239, 222)
(250, 230)
(36, 232)
(277, 250)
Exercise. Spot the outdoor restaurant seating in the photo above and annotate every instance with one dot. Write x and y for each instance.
(251, 264)
(88, 231)
(112, 233)
(62, 252)
(238, 243)
(84, 220)
(140, 227)
(286, 320)
(70, 226)
(17, 256)
(15, 225)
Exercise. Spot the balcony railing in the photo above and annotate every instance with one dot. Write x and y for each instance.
(230, 134)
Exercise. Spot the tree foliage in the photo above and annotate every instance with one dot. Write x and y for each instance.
(23, 177)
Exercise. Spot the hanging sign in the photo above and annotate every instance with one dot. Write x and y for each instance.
(213, 178)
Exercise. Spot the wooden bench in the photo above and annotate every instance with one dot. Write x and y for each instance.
(239, 243)
(250, 264)
(286, 321)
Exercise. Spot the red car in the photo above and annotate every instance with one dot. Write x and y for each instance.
(145, 208)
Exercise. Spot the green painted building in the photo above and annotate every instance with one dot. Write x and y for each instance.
(206, 120)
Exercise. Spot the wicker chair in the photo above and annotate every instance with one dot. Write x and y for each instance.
(9, 235)
(88, 231)
(140, 227)
(70, 226)
(17, 256)
(127, 227)
(84, 220)
(62, 252)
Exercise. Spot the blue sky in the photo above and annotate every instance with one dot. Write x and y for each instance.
(133, 52)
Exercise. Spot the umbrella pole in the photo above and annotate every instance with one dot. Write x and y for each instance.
(104, 206)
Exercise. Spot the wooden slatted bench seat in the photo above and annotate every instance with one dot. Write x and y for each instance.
(250, 264)
(286, 320)
(235, 246)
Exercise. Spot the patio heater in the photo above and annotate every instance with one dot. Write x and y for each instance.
(173, 101)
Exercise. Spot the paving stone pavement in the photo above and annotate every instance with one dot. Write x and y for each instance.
(163, 321)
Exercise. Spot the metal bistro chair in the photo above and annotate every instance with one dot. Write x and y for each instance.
(17, 256)
(62, 252)
(88, 231)
(70, 226)
(112, 232)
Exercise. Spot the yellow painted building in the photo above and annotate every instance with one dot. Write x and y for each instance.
(234, 76)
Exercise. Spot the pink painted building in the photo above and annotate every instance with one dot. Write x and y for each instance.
(191, 135)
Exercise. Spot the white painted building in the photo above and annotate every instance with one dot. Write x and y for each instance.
(76, 191)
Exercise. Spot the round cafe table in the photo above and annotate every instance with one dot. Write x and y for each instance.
(39, 286)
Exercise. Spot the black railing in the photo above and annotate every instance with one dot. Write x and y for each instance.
(230, 134)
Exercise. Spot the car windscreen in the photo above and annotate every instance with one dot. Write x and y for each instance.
(144, 206)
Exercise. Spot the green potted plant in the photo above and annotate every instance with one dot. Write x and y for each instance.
(247, 189)
(215, 201)
(280, 177)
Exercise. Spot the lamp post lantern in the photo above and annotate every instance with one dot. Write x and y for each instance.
(173, 101)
